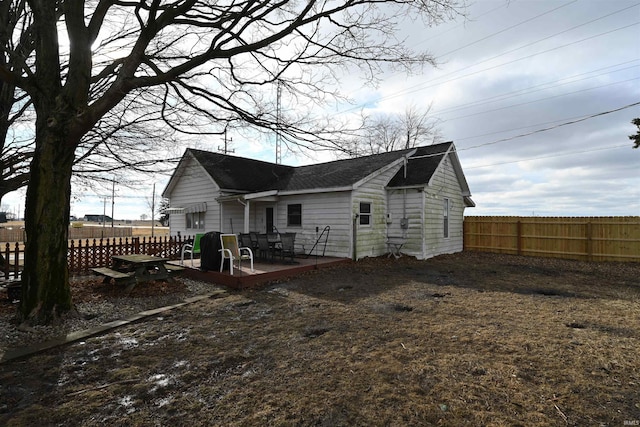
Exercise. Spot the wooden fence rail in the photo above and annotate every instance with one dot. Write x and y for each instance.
(581, 238)
(82, 257)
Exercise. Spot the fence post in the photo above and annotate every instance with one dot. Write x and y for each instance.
(136, 245)
(16, 259)
(519, 233)
(589, 231)
(5, 267)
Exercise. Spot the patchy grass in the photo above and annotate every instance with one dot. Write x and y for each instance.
(465, 339)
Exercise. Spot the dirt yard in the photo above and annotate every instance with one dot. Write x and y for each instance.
(466, 339)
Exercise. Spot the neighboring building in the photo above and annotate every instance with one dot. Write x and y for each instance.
(416, 195)
(97, 218)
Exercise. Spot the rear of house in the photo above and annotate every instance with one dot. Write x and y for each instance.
(417, 196)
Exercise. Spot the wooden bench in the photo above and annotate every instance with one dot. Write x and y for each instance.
(118, 276)
(174, 269)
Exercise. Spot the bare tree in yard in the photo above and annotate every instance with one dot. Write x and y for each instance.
(382, 133)
(118, 144)
(16, 149)
(200, 57)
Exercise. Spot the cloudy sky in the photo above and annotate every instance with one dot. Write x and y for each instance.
(537, 95)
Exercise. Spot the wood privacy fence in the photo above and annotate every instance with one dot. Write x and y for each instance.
(581, 238)
(83, 256)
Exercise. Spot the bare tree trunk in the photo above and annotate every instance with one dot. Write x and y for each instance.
(45, 282)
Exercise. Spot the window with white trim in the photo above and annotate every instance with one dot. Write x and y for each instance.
(294, 215)
(365, 213)
(195, 220)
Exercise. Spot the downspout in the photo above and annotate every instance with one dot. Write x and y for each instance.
(354, 226)
(424, 223)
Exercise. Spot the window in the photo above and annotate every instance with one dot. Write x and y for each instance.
(294, 215)
(195, 220)
(365, 213)
(446, 218)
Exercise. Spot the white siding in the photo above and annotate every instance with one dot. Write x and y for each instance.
(318, 211)
(407, 203)
(194, 186)
(372, 239)
(231, 218)
(443, 185)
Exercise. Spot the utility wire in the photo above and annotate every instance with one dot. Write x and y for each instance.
(539, 100)
(568, 153)
(571, 122)
(421, 86)
(425, 85)
(540, 87)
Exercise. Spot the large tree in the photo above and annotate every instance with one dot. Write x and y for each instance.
(219, 60)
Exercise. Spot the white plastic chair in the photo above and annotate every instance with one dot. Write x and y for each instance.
(231, 251)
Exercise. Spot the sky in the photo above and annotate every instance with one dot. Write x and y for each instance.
(537, 95)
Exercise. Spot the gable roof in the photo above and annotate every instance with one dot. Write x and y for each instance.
(243, 175)
(421, 165)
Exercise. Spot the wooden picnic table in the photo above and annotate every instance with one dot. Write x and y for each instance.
(136, 268)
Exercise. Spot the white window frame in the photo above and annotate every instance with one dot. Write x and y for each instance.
(289, 224)
(195, 220)
(367, 215)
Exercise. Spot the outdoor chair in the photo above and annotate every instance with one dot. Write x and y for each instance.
(264, 247)
(245, 240)
(191, 248)
(254, 240)
(287, 248)
(231, 251)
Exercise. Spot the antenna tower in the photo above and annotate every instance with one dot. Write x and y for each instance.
(278, 118)
(226, 149)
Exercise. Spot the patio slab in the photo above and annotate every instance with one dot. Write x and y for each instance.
(263, 272)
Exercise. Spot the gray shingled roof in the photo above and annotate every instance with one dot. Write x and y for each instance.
(240, 173)
(421, 165)
(248, 175)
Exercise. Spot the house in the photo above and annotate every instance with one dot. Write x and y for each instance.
(415, 196)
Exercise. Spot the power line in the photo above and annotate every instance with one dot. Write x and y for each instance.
(540, 99)
(540, 87)
(567, 153)
(509, 28)
(425, 85)
(571, 122)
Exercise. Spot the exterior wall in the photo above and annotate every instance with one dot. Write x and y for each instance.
(318, 211)
(443, 185)
(231, 218)
(194, 186)
(371, 240)
(408, 204)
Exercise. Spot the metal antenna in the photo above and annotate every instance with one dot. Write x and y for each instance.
(278, 118)
(227, 142)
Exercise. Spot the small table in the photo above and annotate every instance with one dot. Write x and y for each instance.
(395, 245)
(133, 269)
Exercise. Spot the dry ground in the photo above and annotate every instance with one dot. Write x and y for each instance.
(466, 339)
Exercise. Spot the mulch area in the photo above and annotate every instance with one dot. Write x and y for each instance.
(464, 339)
